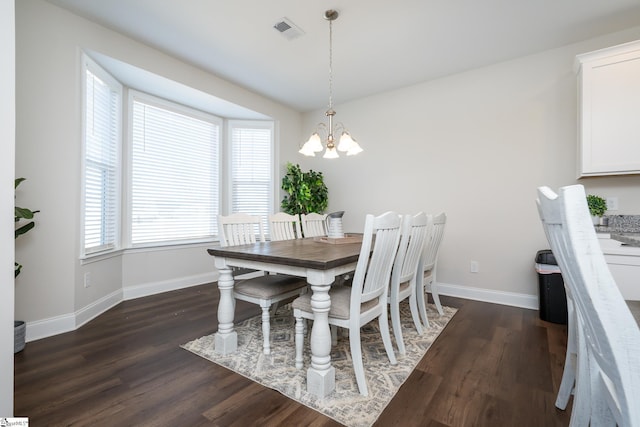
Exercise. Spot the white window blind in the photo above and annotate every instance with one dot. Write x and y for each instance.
(251, 167)
(101, 159)
(174, 173)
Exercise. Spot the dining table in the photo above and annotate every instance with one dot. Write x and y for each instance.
(319, 260)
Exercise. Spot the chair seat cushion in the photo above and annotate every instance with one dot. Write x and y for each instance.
(340, 302)
(404, 286)
(269, 286)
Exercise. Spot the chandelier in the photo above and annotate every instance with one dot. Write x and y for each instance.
(347, 143)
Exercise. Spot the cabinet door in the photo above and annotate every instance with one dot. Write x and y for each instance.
(624, 264)
(625, 271)
(610, 111)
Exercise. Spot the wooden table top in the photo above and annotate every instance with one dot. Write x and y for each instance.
(307, 253)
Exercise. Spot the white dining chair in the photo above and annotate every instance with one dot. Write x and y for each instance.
(415, 231)
(283, 226)
(313, 224)
(429, 266)
(581, 411)
(266, 290)
(366, 299)
(607, 378)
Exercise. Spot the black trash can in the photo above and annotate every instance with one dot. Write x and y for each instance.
(553, 299)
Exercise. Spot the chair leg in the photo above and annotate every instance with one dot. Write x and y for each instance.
(266, 326)
(413, 304)
(581, 410)
(601, 414)
(300, 327)
(356, 358)
(396, 325)
(334, 335)
(568, 381)
(422, 305)
(436, 297)
(274, 307)
(383, 321)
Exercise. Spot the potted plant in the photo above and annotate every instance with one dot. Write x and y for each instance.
(597, 207)
(306, 191)
(21, 214)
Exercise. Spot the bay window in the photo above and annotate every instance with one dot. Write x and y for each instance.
(184, 167)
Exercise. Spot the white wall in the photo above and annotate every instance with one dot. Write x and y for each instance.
(7, 152)
(51, 295)
(475, 145)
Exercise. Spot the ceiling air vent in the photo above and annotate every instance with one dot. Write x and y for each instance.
(288, 29)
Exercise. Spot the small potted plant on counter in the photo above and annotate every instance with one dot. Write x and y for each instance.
(597, 207)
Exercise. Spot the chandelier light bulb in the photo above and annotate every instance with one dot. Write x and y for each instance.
(354, 148)
(345, 142)
(315, 143)
(331, 153)
(305, 150)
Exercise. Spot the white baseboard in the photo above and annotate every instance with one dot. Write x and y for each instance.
(70, 322)
(96, 308)
(48, 327)
(486, 295)
(152, 288)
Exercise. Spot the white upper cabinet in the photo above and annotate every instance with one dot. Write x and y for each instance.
(609, 111)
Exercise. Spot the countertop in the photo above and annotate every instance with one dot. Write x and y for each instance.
(622, 228)
(630, 239)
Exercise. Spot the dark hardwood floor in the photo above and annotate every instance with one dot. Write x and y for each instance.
(493, 366)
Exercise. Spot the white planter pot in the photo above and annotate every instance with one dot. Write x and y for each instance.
(19, 332)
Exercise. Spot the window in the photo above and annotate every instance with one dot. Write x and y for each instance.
(174, 181)
(102, 130)
(182, 167)
(251, 173)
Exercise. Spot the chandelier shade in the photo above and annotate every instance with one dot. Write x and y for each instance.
(347, 143)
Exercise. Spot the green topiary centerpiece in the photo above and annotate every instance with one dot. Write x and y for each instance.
(306, 191)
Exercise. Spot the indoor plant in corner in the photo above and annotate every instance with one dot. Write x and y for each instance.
(19, 327)
(597, 207)
(306, 191)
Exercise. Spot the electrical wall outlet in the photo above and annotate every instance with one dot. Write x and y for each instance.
(87, 279)
(475, 266)
(612, 203)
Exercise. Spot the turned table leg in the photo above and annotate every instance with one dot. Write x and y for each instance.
(321, 376)
(226, 339)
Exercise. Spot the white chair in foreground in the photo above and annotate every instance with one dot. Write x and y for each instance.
(366, 298)
(283, 226)
(267, 290)
(415, 231)
(313, 224)
(429, 266)
(607, 385)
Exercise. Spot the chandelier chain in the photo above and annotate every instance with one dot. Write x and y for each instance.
(330, 64)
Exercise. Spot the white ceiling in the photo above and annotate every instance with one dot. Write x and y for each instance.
(377, 45)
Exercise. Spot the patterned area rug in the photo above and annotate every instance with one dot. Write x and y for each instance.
(345, 404)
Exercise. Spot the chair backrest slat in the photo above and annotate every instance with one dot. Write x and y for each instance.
(240, 229)
(313, 224)
(432, 248)
(283, 226)
(373, 270)
(415, 232)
